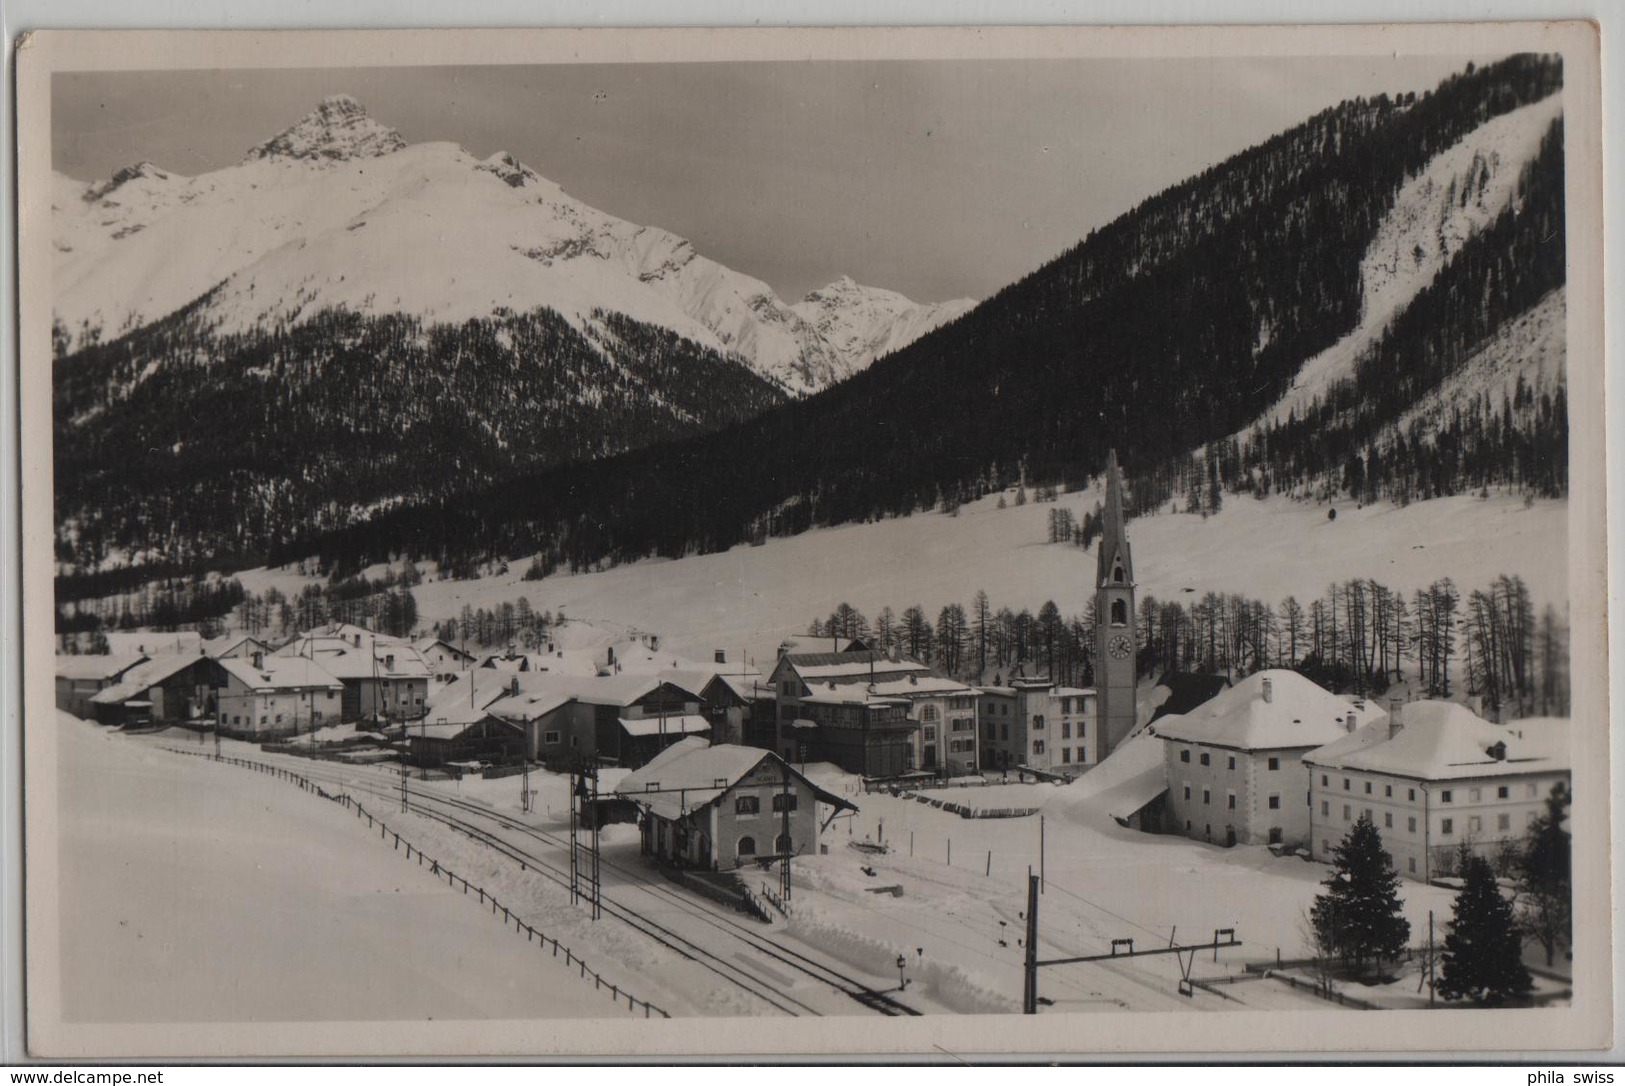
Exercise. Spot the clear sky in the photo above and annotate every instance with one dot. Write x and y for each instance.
(939, 179)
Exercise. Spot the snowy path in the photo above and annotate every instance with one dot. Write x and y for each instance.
(191, 895)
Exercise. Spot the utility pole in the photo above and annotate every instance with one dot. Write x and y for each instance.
(575, 870)
(1430, 957)
(1042, 881)
(597, 906)
(1029, 990)
(524, 792)
(784, 821)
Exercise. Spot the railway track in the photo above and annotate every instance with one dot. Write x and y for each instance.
(466, 817)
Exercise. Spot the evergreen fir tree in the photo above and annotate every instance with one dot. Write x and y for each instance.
(1360, 915)
(1483, 954)
(1544, 893)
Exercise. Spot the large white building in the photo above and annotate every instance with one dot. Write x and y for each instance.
(1433, 777)
(1235, 764)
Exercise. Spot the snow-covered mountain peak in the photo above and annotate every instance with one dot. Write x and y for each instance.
(511, 170)
(140, 171)
(338, 130)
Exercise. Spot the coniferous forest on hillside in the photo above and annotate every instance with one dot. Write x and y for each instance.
(1163, 333)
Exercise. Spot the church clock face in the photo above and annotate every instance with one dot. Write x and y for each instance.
(1119, 647)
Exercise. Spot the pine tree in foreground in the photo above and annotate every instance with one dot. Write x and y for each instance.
(1544, 891)
(1483, 954)
(1359, 915)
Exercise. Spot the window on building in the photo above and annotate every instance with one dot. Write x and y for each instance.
(989, 730)
(929, 712)
(1204, 759)
(747, 846)
(1368, 788)
(1534, 790)
(1444, 797)
(1325, 809)
(930, 731)
(1274, 764)
(1501, 792)
(1187, 796)
(550, 738)
(1387, 820)
(1472, 795)
(1066, 705)
(782, 845)
(1411, 863)
(1276, 835)
(1410, 794)
(1184, 755)
(1066, 755)
(1447, 827)
(784, 801)
(1275, 803)
(1083, 754)
(1475, 824)
(1323, 780)
(1119, 608)
(1345, 784)
(1388, 791)
(1503, 822)
(1348, 813)
(1207, 795)
(1066, 729)
(1230, 801)
(747, 805)
(1410, 825)
(1004, 732)
(1038, 722)
(1038, 746)
(1230, 762)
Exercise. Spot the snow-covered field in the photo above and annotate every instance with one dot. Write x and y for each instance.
(749, 598)
(192, 892)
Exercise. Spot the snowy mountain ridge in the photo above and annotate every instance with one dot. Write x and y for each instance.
(339, 211)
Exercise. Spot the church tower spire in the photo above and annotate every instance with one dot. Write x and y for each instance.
(1116, 668)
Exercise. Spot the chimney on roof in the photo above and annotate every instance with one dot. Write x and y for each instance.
(611, 660)
(1269, 690)
(513, 686)
(1396, 716)
(259, 661)
(389, 662)
(1350, 721)
(357, 636)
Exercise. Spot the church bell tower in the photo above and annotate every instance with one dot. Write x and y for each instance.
(1116, 678)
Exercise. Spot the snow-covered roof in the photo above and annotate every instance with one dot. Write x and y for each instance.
(97, 666)
(1128, 778)
(184, 642)
(1442, 740)
(919, 686)
(425, 644)
(220, 646)
(142, 677)
(688, 724)
(449, 727)
(615, 690)
(1270, 710)
(746, 687)
(281, 673)
(851, 694)
(349, 652)
(691, 773)
(858, 669)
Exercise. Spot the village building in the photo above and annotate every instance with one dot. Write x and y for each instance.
(385, 680)
(269, 697)
(1234, 766)
(829, 709)
(718, 808)
(944, 710)
(1434, 777)
(460, 734)
(444, 659)
(568, 720)
(165, 690)
(1030, 723)
(735, 705)
(80, 677)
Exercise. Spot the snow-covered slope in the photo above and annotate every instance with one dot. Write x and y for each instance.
(1461, 191)
(339, 210)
